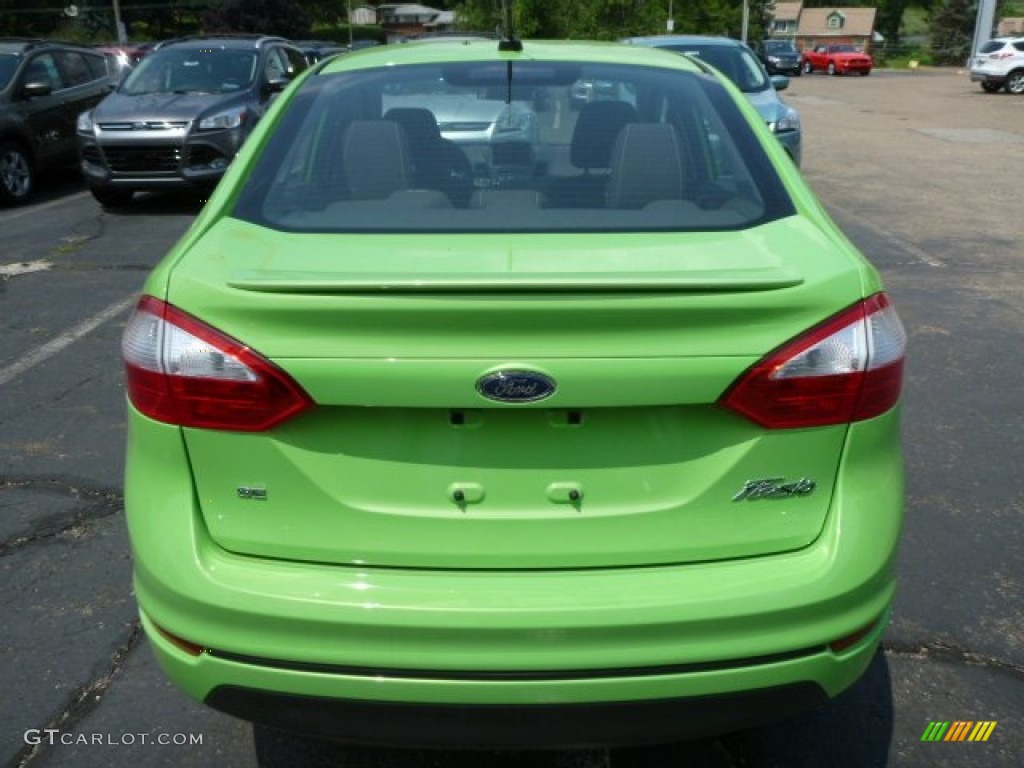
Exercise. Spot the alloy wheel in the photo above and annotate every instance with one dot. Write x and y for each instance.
(15, 173)
(1015, 82)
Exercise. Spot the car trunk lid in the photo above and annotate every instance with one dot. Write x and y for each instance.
(407, 462)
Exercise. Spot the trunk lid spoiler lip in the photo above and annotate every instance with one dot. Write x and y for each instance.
(302, 282)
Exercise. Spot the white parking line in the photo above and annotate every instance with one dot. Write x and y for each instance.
(24, 268)
(918, 253)
(66, 339)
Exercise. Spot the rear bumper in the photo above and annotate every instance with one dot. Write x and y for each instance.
(515, 726)
(721, 644)
(987, 77)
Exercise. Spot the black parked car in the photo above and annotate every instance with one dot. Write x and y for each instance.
(780, 57)
(178, 119)
(316, 51)
(43, 87)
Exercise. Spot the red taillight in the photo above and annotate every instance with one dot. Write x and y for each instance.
(848, 368)
(181, 371)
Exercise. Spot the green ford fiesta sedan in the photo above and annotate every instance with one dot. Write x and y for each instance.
(470, 412)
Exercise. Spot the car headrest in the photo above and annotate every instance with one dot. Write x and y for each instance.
(597, 125)
(647, 165)
(419, 123)
(375, 154)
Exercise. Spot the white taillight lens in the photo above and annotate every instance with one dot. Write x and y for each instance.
(849, 368)
(181, 371)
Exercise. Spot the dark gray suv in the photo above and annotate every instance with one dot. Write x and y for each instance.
(43, 87)
(179, 118)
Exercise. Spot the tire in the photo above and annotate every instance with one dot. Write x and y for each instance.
(1015, 82)
(112, 197)
(865, 73)
(808, 68)
(17, 175)
(831, 69)
(991, 87)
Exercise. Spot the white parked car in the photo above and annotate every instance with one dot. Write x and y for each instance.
(1000, 64)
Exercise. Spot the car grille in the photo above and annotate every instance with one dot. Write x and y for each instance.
(145, 125)
(468, 126)
(143, 159)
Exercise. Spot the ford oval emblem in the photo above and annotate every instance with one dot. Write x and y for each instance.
(515, 386)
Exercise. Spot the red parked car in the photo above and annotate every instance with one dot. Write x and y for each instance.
(837, 60)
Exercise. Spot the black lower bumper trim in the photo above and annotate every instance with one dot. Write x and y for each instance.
(540, 726)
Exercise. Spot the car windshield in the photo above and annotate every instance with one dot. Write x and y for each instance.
(192, 70)
(531, 147)
(8, 65)
(733, 61)
(843, 49)
(778, 46)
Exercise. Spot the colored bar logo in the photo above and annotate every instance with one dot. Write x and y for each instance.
(959, 730)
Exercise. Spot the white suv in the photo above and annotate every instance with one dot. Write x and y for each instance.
(1000, 64)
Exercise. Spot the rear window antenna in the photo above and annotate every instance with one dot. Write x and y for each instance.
(507, 34)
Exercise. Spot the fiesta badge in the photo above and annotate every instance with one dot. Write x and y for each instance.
(515, 386)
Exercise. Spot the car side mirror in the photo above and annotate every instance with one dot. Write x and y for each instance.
(35, 89)
(780, 82)
(277, 84)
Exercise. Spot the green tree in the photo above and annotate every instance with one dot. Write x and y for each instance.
(890, 19)
(952, 27)
(288, 18)
(30, 19)
(612, 19)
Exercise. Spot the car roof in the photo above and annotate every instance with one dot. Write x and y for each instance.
(487, 50)
(221, 41)
(25, 44)
(665, 40)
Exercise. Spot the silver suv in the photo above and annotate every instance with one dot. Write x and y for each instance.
(1000, 64)
(179, 118)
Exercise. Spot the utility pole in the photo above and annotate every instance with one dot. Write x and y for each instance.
(983, 26)
(122, 36)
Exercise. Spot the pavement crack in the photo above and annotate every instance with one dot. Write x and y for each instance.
(93, 267)
(73, 242)
(84, 700)
(940, 650)
(94, 503)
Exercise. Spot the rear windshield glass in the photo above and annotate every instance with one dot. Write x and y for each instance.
(499, 147)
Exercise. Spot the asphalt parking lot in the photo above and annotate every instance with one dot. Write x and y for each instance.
(919, 168)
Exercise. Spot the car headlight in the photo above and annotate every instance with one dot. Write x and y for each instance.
(513, 122)
(84, 124)
(789, 120)
(223, 121)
